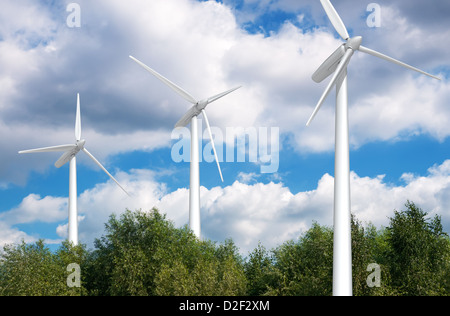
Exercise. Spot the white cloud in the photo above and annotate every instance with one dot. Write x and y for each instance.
(34, 208)
(247, 213)
(412, 107)
(10, 235)
(201, 46)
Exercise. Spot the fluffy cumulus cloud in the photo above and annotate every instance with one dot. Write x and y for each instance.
(203, 47)
(34, 208)
(10, 235)
(386, 101)
(412, 107)
(248, 213)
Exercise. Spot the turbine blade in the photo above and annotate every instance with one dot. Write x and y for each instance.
(103, 168)
(65, 158)
(335, 19)
(212, 143)
(342, 65)
(186, 119)
(48, 149)
(167, 82)
(382, 56)
(329, 65)
(78, 120)
(221, 95)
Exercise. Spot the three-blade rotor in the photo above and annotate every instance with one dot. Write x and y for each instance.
(338, 61)
(71, 151)
(197, 108)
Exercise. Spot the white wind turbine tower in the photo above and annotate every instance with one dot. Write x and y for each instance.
(70, 151)
(191, 117)
(337, 63)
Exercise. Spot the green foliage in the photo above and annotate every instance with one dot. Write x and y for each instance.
(418, 253)
(304, 267)
(258, 271)
(142, 253)
(33, 270)
(212, 272)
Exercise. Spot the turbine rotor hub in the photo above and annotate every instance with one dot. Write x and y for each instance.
(201, 105)
(354, 43)
(80, 144)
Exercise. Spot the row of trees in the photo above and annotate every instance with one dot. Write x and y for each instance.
(142, 253)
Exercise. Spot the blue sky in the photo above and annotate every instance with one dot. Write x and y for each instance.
(398, 120)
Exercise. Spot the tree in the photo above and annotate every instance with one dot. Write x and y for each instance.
(418, 253)
(304, 268)
(218, 271)
(368, 248)
(231, 276)
(33, 270)
(143, 253)
(258, 271)
(131, 253)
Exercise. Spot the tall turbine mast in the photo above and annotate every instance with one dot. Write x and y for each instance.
(191, 117)
(337, 64)
(69, 155)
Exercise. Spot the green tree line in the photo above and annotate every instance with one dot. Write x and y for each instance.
(144, 254)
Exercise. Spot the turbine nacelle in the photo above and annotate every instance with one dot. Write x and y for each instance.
(201, 105)
(353, 43)
(194, 111)
(80, 144)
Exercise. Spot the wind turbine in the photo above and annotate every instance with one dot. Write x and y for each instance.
(70, 152)
(337, 63)
(191, 117)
